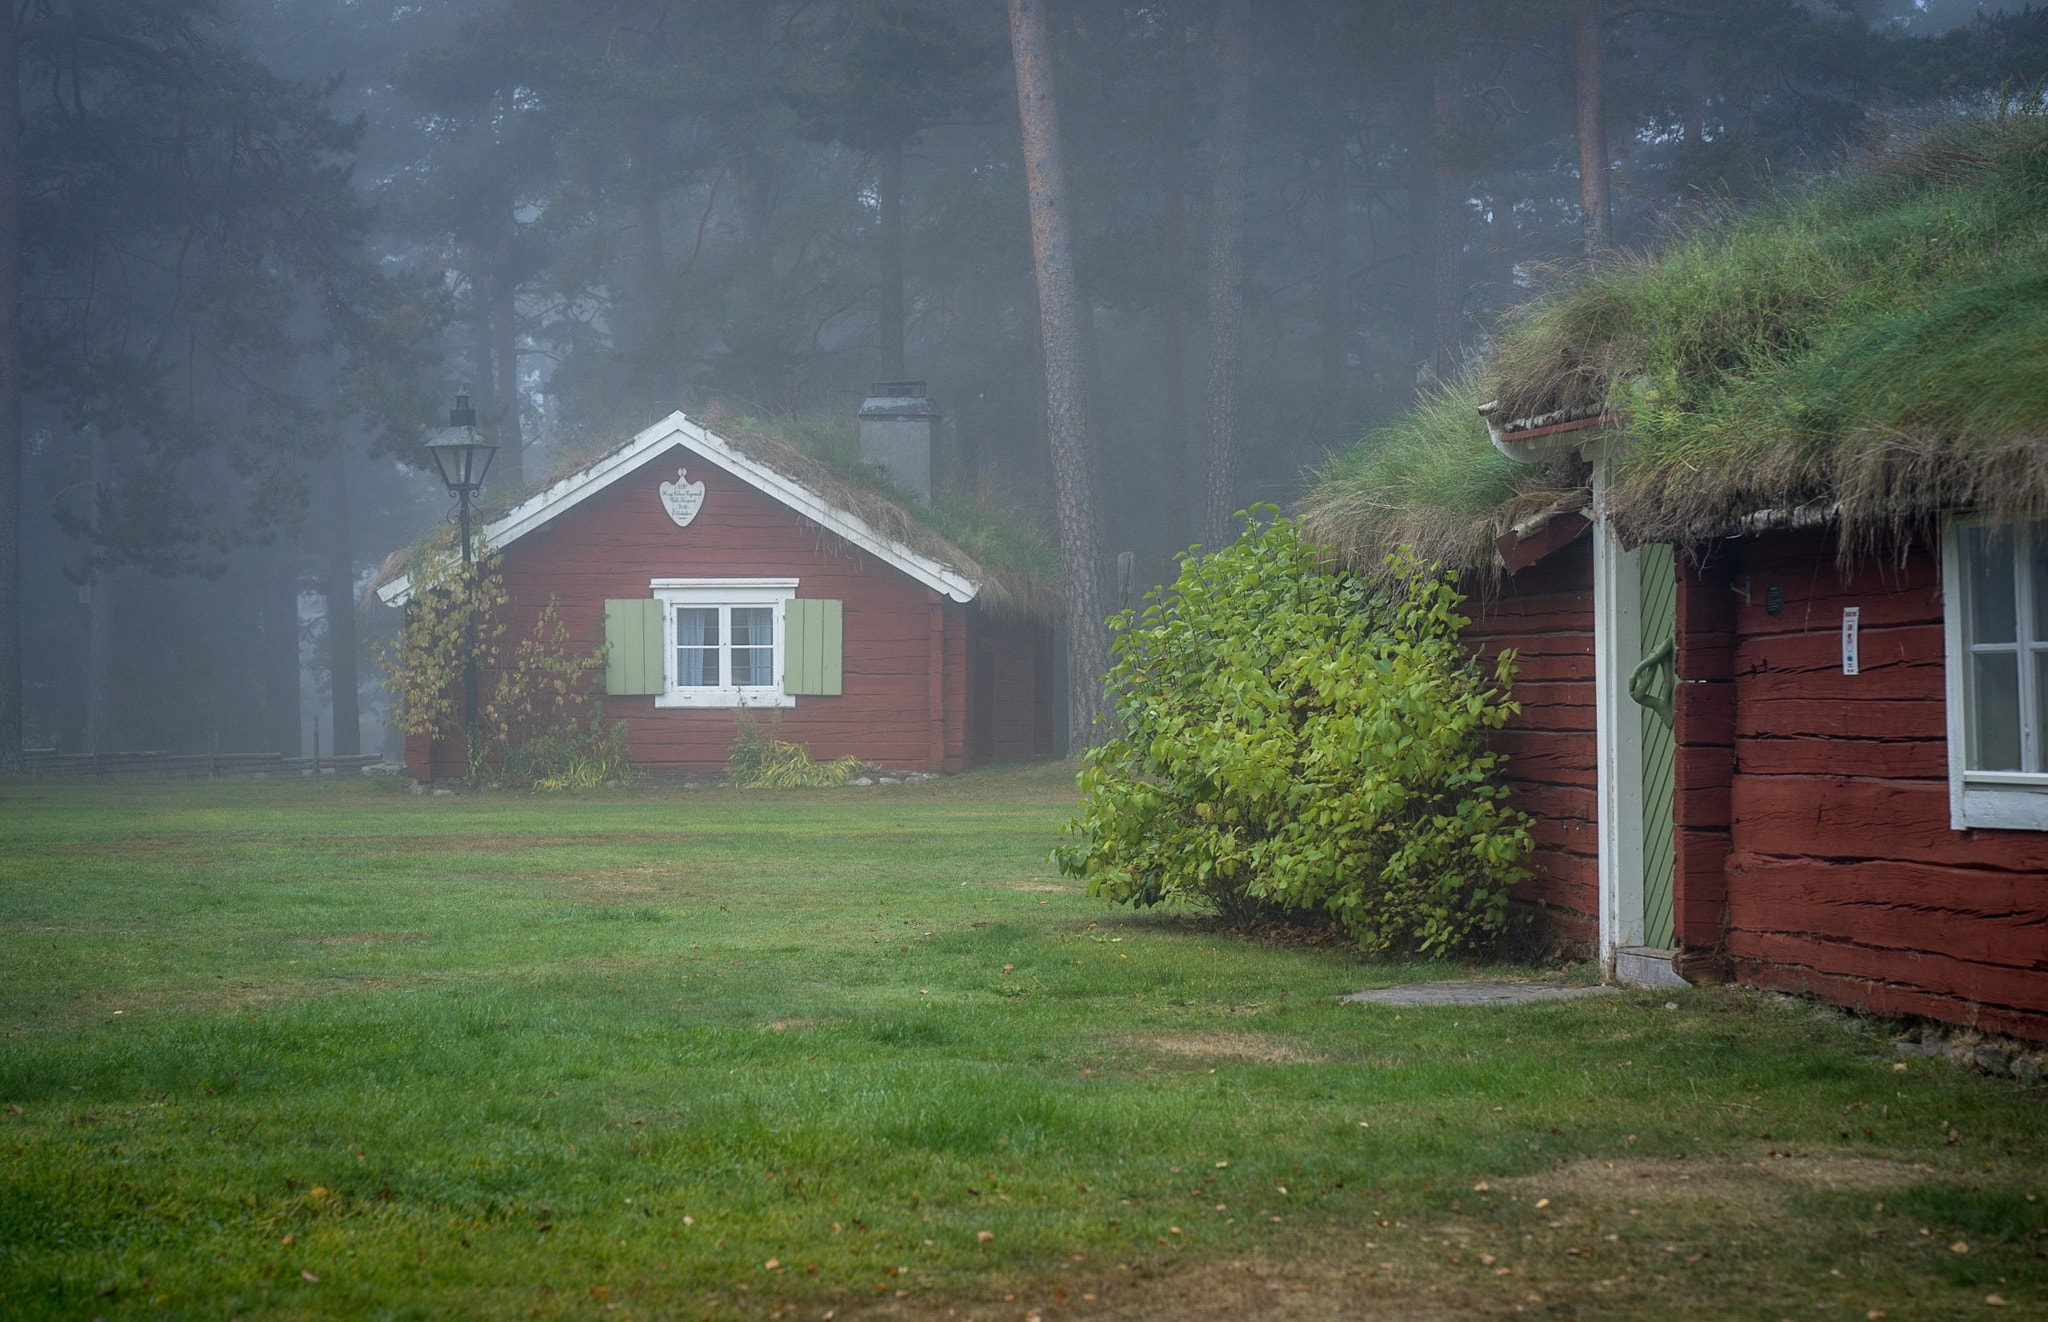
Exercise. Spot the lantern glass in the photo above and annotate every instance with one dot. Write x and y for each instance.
(463, 456)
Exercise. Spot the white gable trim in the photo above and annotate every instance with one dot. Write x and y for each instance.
(678, 432)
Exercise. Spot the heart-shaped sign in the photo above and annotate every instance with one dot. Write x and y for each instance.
(682, 498)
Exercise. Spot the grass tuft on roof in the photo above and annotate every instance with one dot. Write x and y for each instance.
(1431, 481)
(1877, 344)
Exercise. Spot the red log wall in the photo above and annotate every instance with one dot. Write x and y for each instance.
(909, 650)
(1844, 878)
(1814, 848)
(1545, 613)
(1705, 770)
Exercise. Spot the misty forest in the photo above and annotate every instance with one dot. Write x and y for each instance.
(257, 245)
(1023, 660)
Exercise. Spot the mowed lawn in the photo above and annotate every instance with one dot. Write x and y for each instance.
(286, 1051)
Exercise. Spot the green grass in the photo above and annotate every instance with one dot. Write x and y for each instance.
(1877, 342)
(516, 1055)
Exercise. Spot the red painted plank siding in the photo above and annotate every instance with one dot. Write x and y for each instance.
(904, 704)
(1703, 711)
(1814, 849)
(1845, 879)
(1545, 613)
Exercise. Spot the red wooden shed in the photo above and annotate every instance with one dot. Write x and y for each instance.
(731, 573)
(1778, 579)
(1832, 808)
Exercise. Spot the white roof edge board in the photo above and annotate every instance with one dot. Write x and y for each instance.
(674, 431)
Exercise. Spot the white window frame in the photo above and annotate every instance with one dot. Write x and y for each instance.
(727, 593)
(1988, 800)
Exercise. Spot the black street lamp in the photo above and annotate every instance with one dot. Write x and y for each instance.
(464, 456)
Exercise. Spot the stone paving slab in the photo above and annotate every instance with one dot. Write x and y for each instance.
(1472, 993)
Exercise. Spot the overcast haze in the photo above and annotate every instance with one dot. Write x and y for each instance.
(262, 245)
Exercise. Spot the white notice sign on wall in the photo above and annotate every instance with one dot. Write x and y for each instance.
(682, 498)
(1851, 664)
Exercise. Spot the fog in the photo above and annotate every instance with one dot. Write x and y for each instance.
(259, 246)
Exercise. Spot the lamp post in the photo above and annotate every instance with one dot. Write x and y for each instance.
(464, 456)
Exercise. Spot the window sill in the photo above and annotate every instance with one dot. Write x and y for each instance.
(2006, 803)
(724, 697)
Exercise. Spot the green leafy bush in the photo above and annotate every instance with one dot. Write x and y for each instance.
(761, 760)
(541, 723)
(1292, 744)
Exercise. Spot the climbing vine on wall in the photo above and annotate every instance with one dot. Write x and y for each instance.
(540, 705)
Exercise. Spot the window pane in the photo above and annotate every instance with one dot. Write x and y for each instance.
(697, 647)
(1995, 714)
(753, 645)
(2040, 711)
(2037, 560)
(1988, 556)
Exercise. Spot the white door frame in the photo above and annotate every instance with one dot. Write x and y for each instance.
(1617, 647)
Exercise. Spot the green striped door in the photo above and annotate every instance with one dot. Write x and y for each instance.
(1660, 746)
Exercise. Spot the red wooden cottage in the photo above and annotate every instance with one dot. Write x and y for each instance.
(1781, 604)
(741, 573)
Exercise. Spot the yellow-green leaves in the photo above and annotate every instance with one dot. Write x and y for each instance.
(1292, 742)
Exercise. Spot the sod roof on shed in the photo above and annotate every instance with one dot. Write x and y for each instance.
(1876, 345)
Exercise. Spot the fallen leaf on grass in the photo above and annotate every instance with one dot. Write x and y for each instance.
(1959, 1247)
(984, 1236)
(308, 1276)
(1996, 1301)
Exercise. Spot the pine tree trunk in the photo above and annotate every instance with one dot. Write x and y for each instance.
(889, 315)
(10, 393)
(1092, 395)
(654, 354)
(484, 383)
(1226, 269)
(338, 582)
(101, 598)
(1173, 308)
(1333, 292)
(281, 652)
(1065, 383)
(508, 472)
(1447, 227)
(1502, 241)
(1589, 79)
(1695, 97)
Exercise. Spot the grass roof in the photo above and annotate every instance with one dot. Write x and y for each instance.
(1877, 345)
(1017, 571)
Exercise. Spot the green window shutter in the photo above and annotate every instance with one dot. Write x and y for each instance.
(633, 628)
(813, 647)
